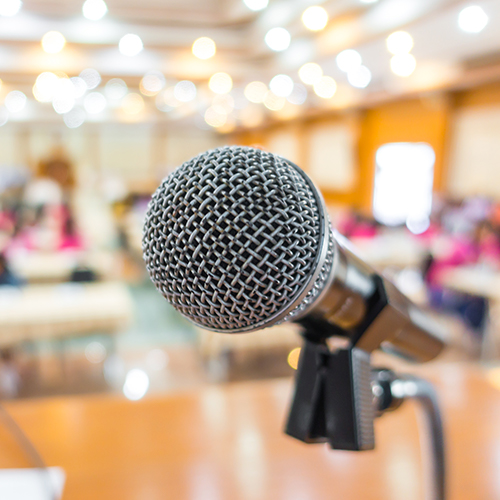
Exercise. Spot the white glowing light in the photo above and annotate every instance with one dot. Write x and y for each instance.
(281, 85)
(399, 42)
(45, 86)
(15, 101)
(359, 77)
(204, 48)
(277, 39)
(79, 85)
(256, 5)
(310, 73)
(472, 19)
(132, 104)
(75, 118)
(325, 88)
(136, 384)
(9, 8)
(64, 89)
(273, 101)
(403, 182)
(152, 83)
(349, 59)
(130, 45)
(53, 42)
(4, 116)
(403, 64)
(315, 18)
(255, 91)
(91, 77)
(115, 89)
(94, 9)
(220, 83)
(95, 352)
(94, 103)
(215, 118)
(298, 95)
(185, 91)
(166, 101)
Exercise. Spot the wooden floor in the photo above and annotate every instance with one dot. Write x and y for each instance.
(226, 443)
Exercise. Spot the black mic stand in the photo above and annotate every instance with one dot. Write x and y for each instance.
(338, 395)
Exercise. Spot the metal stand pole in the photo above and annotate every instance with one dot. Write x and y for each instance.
(390, 391)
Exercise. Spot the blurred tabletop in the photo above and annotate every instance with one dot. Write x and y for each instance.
(226, 442)
(35, 312)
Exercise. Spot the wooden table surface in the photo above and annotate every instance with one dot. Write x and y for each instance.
(226, 443)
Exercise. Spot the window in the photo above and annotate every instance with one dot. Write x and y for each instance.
(403, 185)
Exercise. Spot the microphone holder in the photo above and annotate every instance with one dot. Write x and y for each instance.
(338, 395)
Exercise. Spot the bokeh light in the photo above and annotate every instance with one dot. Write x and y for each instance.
(359, 77)
(472, 19)
(310, 73)
(115, 89)
(293, 358)
(403, 64)
(215, 118)
(185, 91)
(399, 42)
(315, 18)
(256, 91)
(204, 48)
(220, 83)
(75, 118)
(349, 59)
(256, 5)
(91, 77)
(273, 101)
(94, 103)
(278, 39)
(152, 82)
(53, 42)
(15, 101)
(130, 45)
(326, 87)
(9, 8)
(281, 85)
(298, 95)
(136, 384)
(94, 9)
(132, 104)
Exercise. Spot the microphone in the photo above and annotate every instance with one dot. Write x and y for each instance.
(238, 239)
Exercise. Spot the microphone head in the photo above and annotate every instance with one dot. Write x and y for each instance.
(238, 239)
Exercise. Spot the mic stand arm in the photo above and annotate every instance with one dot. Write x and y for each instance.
(338, 395)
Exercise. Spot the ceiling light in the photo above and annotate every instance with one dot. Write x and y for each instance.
(185, 91)
(281, 85)
(94, 9)
(325, 88)
(152, 83)
(298, 95)
(115, 89)
(214, 118)
(15, 101)
(220, 83)
(9, 8)
(315, 18)
(359, 77)
(53, 42)
(130, 45)
(278, 39)
(399, 42)
(310, 73)
(204, 48)
(273, 101)
(91, 77)
(94, 103)
(403, 64)
(256, 4)
(472, 19)
(255, 91)
(132, 104)
(349, 59)
(45, 86)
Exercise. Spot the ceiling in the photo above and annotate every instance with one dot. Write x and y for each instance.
(446, 56)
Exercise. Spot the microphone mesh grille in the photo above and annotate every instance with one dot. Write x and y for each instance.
(231, 237)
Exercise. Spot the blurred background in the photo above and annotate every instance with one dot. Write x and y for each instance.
(391, 106)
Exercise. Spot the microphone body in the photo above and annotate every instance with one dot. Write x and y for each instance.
(238, 239)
